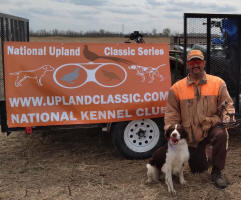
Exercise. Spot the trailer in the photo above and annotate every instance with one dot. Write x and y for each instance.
(138, 129)
(113, 87)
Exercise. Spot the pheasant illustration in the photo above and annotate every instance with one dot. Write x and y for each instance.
(70, 77)
(93, 56)
(110, 75)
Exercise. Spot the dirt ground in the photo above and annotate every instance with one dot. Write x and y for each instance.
(82, 164)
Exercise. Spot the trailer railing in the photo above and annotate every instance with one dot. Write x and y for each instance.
(12, 28)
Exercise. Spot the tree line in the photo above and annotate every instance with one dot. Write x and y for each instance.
(101, 33)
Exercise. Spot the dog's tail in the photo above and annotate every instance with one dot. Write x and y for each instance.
(148, 166)
(152, 173)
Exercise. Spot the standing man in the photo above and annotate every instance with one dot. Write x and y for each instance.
(200, 103)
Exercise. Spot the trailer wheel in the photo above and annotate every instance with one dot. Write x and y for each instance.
(138, 139)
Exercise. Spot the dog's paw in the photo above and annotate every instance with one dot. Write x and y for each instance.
(172, 191)
(147, 182)
(151, 181)
(183, 182)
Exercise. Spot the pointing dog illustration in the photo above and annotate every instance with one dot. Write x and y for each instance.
(150, 72)
(37, 74)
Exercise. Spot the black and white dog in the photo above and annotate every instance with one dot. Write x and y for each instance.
(170, 158)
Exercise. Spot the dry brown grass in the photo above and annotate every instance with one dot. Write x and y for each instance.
(82, 164)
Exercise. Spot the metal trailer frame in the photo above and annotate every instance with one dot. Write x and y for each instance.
(12, 28)
(190, 20)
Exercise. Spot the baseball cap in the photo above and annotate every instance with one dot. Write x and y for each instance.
(195, 54)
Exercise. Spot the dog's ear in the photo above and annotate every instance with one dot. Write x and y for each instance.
(182, 132)
(168, 131)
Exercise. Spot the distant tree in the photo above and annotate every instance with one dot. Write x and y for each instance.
(154, 31)
(166, 32)
(55, 32)
(93, 33)
(102, 31)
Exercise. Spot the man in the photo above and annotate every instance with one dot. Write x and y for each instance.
(200, 103)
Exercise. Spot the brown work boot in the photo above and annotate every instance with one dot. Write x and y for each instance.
(218, 179)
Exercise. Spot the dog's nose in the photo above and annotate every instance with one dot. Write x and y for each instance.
(174, 135)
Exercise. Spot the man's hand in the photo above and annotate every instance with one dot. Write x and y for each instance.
(230, 121)
(206, 124)
(229, 118)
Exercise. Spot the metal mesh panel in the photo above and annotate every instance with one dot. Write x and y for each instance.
(1, 59)
(218, 36)
(12, 28)
(196, 33)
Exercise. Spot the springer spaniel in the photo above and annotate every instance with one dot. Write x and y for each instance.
(170, 159)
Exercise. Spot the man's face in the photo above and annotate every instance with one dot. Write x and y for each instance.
(196, 66)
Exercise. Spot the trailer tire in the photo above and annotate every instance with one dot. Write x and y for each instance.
(138, 139)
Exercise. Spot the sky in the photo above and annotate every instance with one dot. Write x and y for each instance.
(120, 16)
